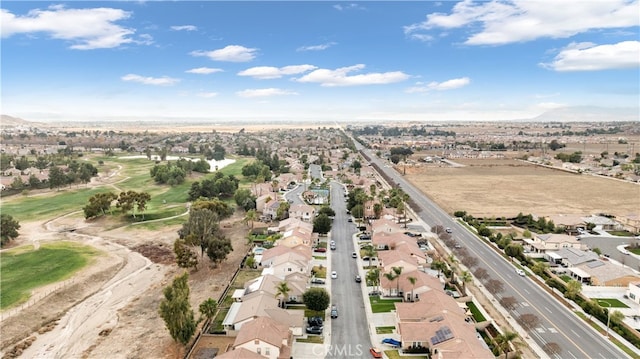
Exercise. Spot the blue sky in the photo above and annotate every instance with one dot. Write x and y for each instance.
(316, 60)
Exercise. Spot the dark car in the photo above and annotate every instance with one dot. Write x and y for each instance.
(314, 330)
(334, 312)
(320, 249)
(314, 321)
(317, 281)
(365, 237)
(411, 234)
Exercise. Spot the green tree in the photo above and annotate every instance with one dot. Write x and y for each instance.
(370, 252)
(503, 341)
(514, 250)
(573, 289)
(251, 217)
(8, 228)
(373, 277)
(327, 210)
(439, 266)
(465, 277)
(316, 299)
(208, 308)
(322, 224)
(282, 289)
(57, 177)
(391, 276)
(413, 281)
(245, 199)
(202, 225)
(176, 311)
(539, 268)
(185, 257)
(218, 249)
(397, 271)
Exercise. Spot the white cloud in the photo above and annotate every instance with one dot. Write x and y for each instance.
(590, 57)
(231, 53)
(86, 29)
(340, 77)
(440, 86)
(207, 94)
(184, 28)
(316, 47)
(203, 70)
(351, 6)
(269, 72)
(264, 92)
(157, 81)
(503, 22)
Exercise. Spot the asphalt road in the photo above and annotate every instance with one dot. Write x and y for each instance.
(349, 332)
(557, 324)
(608, 245)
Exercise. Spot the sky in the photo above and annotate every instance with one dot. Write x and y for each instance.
(289, 61)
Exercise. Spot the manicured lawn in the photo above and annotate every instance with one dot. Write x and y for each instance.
(477, 315)
(47, 206)
(385, 330)
(382, 305)
(610, 302)
(26, 269)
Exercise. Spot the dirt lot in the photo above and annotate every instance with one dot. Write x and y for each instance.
(114, 301)
(496, 188)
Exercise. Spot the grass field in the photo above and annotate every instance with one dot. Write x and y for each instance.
(25, 269)
(166, 201)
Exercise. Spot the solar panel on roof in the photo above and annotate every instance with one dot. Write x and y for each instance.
(442, 335)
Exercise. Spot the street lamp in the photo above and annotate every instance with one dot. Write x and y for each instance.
(608, 315)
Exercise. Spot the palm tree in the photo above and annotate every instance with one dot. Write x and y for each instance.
(251, 217)
(439, 266)
(208, 308)
(465, 277)
(503, 340)
(397, 271)
(283, 289)
(413, 281)
(391, 277)
(369, 251)
(373, 276)
(452, 264)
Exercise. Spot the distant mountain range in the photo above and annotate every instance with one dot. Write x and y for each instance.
(564, 114)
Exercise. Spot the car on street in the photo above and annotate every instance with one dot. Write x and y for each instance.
(358, 279)
(314, 330)
(333, 247)
(334, 275)
(448, 230)
(520, 272)
(375, 352)
(334, 312)
(354, 255)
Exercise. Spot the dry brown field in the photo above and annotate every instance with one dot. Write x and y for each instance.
(491, 187)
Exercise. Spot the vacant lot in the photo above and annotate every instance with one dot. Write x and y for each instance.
(506, 187)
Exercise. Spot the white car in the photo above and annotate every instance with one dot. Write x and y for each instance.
(520, 272)
(334, 275)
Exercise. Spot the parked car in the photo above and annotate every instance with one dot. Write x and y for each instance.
(375, 352)
(333, 247)
(448, 230)
(320, 249)
(411, 234)
(358, 279)
(375, 292)
(365, 237)
(390, 341)
(334, 275)
(334, 312)
(317, 281)
(314, 321)
(354, 255)
(314, 330)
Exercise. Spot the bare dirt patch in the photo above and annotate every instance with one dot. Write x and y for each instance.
(507, 187)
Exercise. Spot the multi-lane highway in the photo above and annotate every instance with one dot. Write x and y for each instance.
(557, 324)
